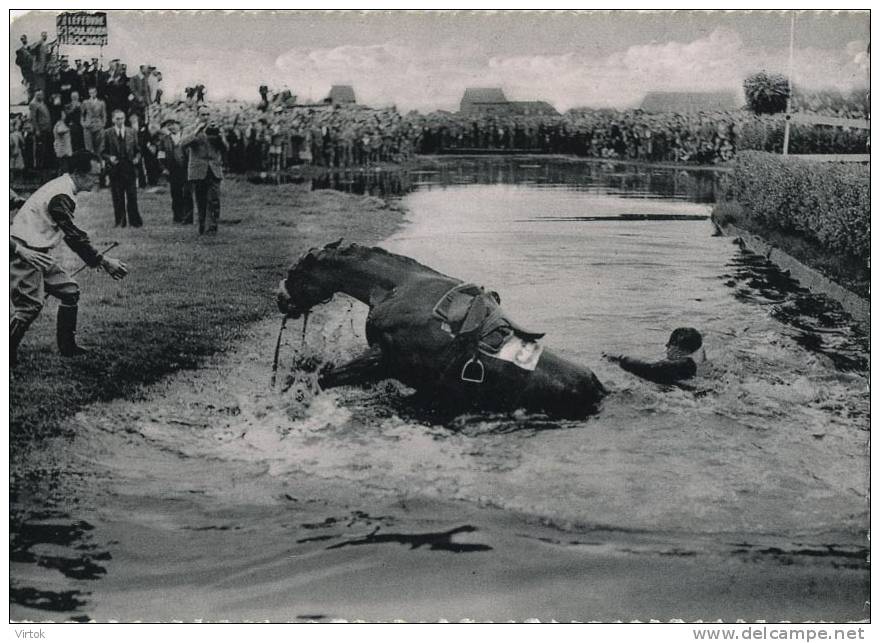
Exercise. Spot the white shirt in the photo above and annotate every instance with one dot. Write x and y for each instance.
(33, 224)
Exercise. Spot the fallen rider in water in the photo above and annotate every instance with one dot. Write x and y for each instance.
(684, 356)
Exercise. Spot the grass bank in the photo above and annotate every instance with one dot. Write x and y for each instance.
(819, 213)
(187, 296)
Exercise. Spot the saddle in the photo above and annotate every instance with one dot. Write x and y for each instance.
(469, 312)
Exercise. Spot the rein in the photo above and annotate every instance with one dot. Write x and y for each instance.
(277, 351)
(302, 342)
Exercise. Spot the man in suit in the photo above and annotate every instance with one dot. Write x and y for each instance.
(140, 93)
(41, 120)
(25, 62)
(40, 53)
(174, 159)
(206, 145)
(94, 119)
(69, 81)
(119, 149)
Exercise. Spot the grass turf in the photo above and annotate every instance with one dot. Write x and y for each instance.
(186, 298)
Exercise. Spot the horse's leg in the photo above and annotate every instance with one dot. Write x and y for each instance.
(366, 368)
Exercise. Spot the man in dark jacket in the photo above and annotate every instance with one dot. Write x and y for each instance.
(119, 149)
(206, 145)
(40, 54)
(44, 220)
(139, 87)
(41, 120)
(684, 355)
(25, 62)
(175, 160)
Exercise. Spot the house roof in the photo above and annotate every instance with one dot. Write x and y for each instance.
(689, 102)
(484, 95)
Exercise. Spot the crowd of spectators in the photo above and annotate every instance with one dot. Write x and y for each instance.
(353, 136)
(69, 105)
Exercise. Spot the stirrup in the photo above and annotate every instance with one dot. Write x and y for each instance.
(468, 377)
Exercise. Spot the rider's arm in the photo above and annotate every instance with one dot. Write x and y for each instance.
(665, 371)
(61, 208)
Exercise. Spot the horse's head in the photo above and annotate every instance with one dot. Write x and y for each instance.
(306, 284)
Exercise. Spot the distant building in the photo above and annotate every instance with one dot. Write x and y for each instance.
(690, 102)
(341, 95)
(483, 100)
(491, 100)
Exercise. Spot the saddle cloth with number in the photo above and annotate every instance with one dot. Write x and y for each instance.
(469, 310)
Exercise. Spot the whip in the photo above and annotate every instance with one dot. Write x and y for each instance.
(84, 266)
(103, 252)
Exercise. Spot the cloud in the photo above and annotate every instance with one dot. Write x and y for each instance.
(429, 78)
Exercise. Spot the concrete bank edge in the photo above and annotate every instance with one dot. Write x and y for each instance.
(858, 308)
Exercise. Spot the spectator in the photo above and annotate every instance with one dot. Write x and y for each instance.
(16, 148)
(206, 145)
(155, 82)
(175, 160)
(42, 126)
(120, 152)
(94, 120)
(140, 137)
(139, 88)
(62, 144)
(74, 110)
(25, 62)
(69, 81)
(40, 53)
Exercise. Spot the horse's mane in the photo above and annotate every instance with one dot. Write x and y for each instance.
(365, 252)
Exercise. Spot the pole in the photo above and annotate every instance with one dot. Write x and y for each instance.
(790, 86)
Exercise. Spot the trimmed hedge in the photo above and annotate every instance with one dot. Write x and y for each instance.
(768, 132)
(829, 203)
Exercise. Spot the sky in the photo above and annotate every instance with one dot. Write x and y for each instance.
(425, 60)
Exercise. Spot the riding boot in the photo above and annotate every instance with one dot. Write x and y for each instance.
(17, 329)
(67, 332)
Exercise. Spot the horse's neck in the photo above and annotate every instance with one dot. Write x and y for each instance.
(365, 277)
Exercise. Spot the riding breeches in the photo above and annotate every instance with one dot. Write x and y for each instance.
(29, 285)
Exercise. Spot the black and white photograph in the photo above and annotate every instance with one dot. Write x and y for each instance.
(440, 316)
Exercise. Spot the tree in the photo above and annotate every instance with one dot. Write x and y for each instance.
(766, 93)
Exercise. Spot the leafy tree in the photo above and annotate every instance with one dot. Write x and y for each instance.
(766, 93)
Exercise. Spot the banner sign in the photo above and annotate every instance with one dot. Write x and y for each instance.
(81, 28)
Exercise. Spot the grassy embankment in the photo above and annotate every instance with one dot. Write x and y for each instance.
(819, 213)
(186, 298)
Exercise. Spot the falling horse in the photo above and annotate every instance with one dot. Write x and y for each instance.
(448, 339)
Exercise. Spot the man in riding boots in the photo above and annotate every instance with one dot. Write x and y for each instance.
(42, 222)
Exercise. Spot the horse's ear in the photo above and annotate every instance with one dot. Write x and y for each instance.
(334, 245)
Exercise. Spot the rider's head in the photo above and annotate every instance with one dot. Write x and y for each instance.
(85, 170)
(683, 341)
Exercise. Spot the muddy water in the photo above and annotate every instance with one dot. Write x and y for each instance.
(743, 496)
